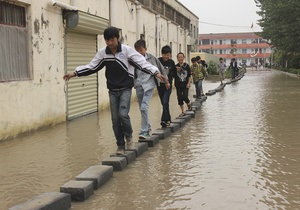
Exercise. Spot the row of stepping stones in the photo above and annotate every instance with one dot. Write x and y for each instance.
(96, 176)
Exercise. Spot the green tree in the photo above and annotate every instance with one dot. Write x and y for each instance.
(280, 22)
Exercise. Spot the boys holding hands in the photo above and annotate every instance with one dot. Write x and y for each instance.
(120, 61)
(163, 91)
(144, 84)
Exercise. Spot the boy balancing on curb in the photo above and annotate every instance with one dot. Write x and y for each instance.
(163, 91)
(183, 82)
(144, 84)
(198, 73)
(120, 61)
(221, 67)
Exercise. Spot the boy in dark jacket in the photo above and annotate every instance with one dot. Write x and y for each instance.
(234, 68)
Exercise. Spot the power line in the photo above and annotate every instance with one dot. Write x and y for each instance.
(221, 25)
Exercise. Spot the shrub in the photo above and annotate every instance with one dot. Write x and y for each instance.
(212, 68)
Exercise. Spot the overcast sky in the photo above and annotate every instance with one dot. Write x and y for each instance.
(224, 16)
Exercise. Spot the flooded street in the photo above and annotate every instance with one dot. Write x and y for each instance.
(241, 151)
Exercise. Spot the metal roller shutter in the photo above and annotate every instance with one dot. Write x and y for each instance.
(82, 92)
(81, 46)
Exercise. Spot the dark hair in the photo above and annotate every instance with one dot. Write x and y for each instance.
(194, 59)
(203, 63)
(198, 57)
(140, 43)
(111, 32)
(181, 54)
(166, 49)
(220, 59)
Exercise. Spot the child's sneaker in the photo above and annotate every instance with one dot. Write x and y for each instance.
(129, 145)
(144, 135)
(129, 142)
(120, 150)
(148, 134)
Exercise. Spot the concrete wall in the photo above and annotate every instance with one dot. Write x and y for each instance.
(41, 101)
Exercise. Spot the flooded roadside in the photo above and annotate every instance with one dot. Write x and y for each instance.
(240, 152)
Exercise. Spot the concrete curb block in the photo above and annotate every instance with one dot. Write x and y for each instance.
(118, 163)
(79, 190)
(154, 139)
(196, 103)
(211, 92)
(220, 88)
(174, 127)
(202, 99)
(99, 174)
(139, 148)
(192, 113)
(181, 122)
(129, 155)
(46, 201)
(162, 133)
(186, 117)
(195, 108)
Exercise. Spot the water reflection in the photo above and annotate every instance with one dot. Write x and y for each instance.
(240, 152)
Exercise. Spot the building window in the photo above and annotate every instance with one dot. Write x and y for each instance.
(262, 41)
(244, 51)
(206, 50)
(205, 41)
(14, 43)
(244, 41)
(221, 41)
(221, 51)
(233, 41)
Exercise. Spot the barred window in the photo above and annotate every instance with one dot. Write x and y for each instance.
(13, 43)
(11, 14)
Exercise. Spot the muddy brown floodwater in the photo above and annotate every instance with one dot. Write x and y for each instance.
(241, 151)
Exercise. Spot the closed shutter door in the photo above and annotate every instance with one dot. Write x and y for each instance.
(82, 92)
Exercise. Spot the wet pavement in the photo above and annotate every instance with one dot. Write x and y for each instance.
(241, 151)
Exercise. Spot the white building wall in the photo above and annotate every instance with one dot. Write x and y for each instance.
(40, 101)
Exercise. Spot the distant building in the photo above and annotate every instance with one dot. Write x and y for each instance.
(246, 48)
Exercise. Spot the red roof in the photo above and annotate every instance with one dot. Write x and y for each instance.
(246, 35)
(244, 56)
(237, 46)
